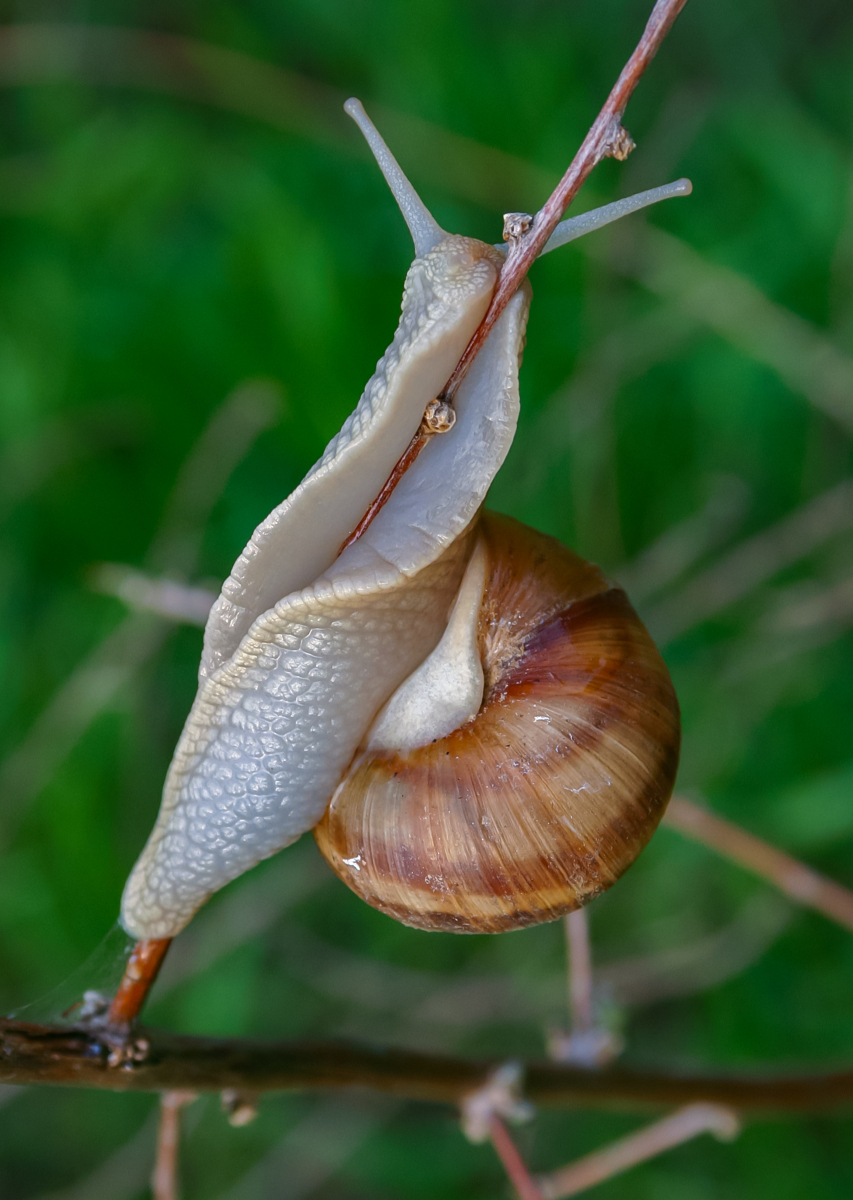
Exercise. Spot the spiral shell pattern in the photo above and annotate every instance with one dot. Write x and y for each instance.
(546, 797)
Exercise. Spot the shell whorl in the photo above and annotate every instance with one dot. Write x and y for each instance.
(546, 797)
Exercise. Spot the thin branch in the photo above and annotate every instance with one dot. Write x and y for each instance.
(160, 595)
(208, 74)
(606, 138)
(39, 1054)
(638, 1147)
(141, 971)
(401, 466)
(164, 1180)
(512, 1162)
(587, 1044)
(579, 962)
(794, 878)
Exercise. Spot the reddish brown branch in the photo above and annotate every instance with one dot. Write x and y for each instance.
(403, 463)
(606, 137)
(38, 1054)
(142, 969)
(513, 1163)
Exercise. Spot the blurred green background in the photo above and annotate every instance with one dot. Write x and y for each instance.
(199, 267)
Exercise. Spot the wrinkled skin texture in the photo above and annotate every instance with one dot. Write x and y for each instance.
(304, 646)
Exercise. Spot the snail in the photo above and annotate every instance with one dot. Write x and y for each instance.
(471, 718)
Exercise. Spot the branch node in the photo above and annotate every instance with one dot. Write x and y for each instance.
(588, 1048)
(240, 1108)
(500, 1096)
(516, 225)
(621, 144)
(439, 416)
(128, 1053)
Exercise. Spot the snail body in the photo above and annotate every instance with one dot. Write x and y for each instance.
(323, 667)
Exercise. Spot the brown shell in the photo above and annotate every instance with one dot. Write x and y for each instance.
(543, 799)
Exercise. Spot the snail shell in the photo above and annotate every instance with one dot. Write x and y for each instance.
(547, 795)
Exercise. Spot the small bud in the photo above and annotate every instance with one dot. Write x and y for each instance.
(588, 1048)
(622, 144)
(240, 1108)
(128, 1052)
(440, 416)
(516, 225)
(500, 1096)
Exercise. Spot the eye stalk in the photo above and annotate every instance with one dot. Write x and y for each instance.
(425, 230)
(576, 227)
(427, 233)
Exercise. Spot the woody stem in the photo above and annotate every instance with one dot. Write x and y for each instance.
(606, 138)
(142, 969)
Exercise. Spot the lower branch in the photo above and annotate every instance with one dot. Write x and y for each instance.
(164, 1181)
(630, 1151)
(790, 876)
(160, 1061)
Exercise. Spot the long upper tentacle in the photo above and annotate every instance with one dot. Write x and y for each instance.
(425, 230)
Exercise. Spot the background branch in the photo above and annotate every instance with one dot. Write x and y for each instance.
(47, 1054)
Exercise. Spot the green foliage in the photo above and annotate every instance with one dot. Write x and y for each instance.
(688, 384)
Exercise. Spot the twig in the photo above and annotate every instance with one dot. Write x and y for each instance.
(794, 878)
(647, 1143)
(43, 1054)
(579, 962)
(401, 466)
(208, 74)
(606, 138)
(513, 1163)
(587, 1044)
(165, 597)
(164, 1180)
(140, 973)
